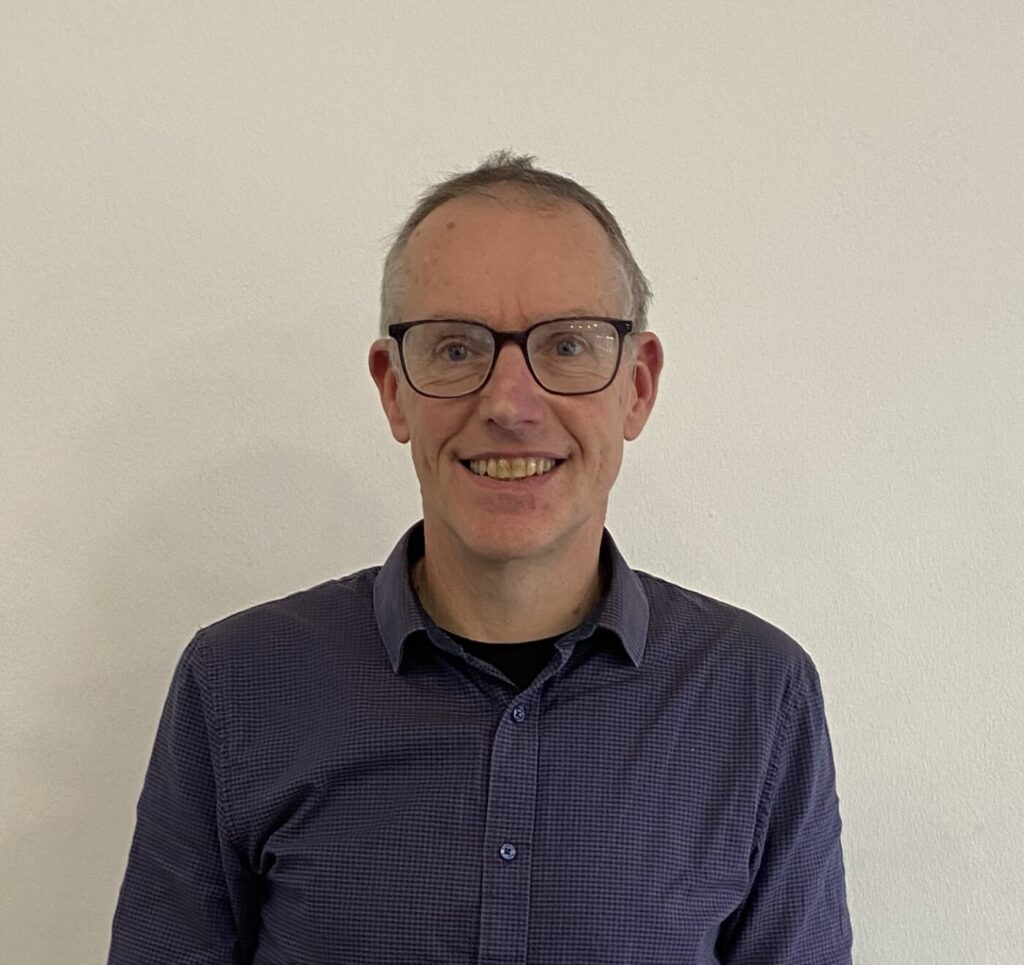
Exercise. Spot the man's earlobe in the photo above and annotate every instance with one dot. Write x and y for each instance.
(385, 374)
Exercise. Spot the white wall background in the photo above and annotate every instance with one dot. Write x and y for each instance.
(829, 200)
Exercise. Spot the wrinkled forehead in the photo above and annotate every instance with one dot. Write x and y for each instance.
(510, 256)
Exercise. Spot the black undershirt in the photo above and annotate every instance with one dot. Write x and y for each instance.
(520, 662)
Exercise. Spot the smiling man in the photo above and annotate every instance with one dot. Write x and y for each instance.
(504, 745)
(513, 553)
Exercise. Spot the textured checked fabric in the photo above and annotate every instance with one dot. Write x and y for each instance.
(336, 780)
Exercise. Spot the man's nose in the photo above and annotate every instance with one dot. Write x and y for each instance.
(511, 394)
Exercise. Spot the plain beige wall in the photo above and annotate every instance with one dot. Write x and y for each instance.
(829, 201)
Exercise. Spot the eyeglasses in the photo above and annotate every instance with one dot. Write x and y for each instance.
(449, 358)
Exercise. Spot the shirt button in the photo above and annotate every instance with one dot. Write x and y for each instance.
(519, 714)
(508, 851)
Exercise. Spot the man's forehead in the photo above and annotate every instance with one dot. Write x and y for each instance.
(509, 261)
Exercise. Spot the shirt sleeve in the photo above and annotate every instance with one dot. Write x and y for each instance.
(187, 895)
(795, 912)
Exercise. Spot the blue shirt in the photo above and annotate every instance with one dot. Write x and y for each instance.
(337, 780)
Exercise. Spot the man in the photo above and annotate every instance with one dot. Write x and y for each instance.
(504, 745)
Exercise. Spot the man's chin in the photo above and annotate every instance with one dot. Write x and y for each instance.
(496, 540)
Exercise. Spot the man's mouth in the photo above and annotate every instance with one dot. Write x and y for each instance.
(507, 469)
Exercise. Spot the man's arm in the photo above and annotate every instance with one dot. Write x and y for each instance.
(795, 912)
(186, 895)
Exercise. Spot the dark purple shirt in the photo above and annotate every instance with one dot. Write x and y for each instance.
(336, 780)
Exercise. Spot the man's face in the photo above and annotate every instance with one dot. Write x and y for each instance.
(509, 265)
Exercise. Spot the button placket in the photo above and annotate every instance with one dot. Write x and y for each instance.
(512, 798)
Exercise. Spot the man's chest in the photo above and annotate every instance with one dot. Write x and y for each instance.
(530, 834)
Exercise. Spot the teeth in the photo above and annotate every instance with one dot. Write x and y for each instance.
(511, 468)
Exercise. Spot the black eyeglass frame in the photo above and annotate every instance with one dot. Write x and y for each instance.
(622, 326)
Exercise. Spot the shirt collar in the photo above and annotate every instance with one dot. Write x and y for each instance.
(622, 610)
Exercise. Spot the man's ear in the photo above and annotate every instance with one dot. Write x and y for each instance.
(646, 365)
(385, 373)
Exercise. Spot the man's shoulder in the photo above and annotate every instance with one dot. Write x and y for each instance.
(699, 624)
(327, 611)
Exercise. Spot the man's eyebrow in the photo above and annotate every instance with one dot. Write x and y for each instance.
(452, 316)
(578, 313)
(469, 317)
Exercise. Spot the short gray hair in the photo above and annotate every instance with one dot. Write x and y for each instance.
(504, 169)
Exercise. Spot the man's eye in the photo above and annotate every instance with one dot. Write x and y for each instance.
(453, 351)
(567, 346)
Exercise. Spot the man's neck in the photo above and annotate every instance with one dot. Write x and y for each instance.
(508, 601)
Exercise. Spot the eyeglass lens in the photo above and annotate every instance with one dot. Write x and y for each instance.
(453, 358)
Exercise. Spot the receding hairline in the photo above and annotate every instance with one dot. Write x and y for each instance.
(511, 196)
(513, 179)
